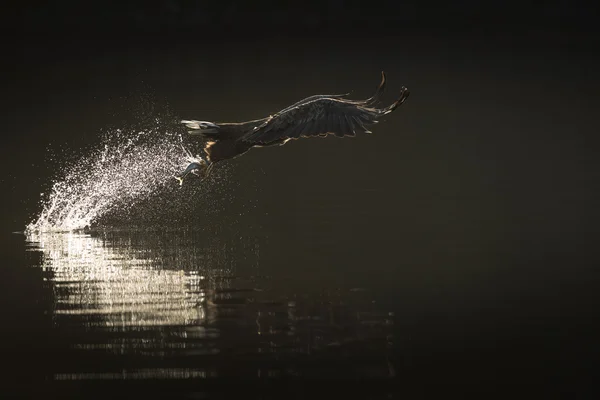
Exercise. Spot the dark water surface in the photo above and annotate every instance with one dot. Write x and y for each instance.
(195, 305)
(447, 249)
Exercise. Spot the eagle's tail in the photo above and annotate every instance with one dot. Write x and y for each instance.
(403, 96)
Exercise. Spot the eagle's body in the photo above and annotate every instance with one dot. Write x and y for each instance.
(318, 115)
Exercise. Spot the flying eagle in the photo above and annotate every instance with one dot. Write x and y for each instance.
(318, 115)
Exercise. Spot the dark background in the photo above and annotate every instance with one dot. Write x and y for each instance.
(472, 207)
(265, 16)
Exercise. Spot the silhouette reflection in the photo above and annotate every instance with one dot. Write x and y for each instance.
(181, 305)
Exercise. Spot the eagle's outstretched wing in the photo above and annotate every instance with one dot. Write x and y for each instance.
(321, 116)
(369, 102)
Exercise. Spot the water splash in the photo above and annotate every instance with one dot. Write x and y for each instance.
(127, 168)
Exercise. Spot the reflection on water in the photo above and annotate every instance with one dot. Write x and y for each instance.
(194, 305)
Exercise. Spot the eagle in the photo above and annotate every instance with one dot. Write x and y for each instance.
(315, 116)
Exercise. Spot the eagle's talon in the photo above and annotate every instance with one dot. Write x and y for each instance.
(200, 169)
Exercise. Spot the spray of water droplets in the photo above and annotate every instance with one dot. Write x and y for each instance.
(127, 169)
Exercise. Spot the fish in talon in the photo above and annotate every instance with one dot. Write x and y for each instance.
(200, 169)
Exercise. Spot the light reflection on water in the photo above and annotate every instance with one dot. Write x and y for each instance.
(182, 305)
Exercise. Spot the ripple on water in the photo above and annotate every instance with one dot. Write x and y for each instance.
(133, 305)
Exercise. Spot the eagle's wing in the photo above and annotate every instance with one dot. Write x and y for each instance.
(369, 102)
(320, 117)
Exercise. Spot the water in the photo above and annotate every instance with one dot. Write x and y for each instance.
(126, 168)
(195, 305)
